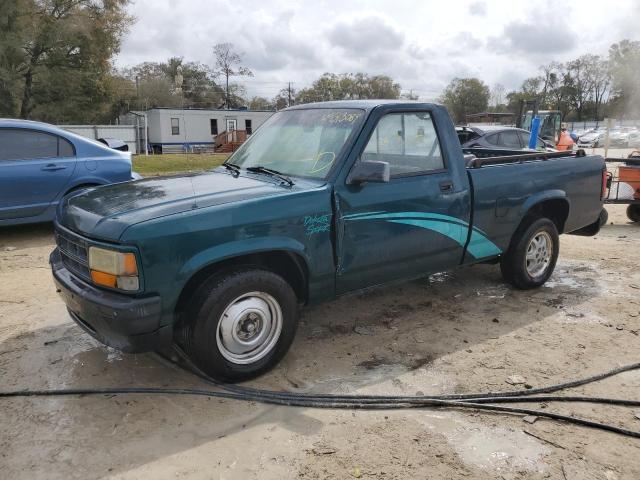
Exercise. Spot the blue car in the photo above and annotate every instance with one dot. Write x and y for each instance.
(40, 164)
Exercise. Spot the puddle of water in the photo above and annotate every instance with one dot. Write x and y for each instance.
(490, 448)
(574, 276)
(498, 291)
(560, 280)
(439, 277)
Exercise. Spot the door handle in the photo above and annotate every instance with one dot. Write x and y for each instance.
(446, 186)
(52, 167)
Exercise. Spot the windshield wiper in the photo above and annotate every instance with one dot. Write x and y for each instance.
(273, 173)
(232, 167)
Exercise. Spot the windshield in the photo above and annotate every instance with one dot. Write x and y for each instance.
(303, 143)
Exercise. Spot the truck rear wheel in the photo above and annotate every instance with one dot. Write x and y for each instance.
(240, 324)
(633, 212)
(532, 255)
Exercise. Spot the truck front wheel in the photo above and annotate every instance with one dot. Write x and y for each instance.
(532, 255)
(239, 325)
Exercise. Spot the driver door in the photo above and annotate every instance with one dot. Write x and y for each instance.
(410, 226)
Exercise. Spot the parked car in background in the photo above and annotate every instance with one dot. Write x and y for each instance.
(619, 137)
(492, 136)
(593, 138)
(40, 164)
(634, 138)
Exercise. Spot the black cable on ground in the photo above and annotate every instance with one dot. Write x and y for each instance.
(464, 396)
(479, 401)
(308, 403)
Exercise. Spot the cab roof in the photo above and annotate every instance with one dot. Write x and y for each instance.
(361, 104)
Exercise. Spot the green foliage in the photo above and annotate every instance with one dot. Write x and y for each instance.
(349, 86)
(55, 57)
(577, 88)
(464, 96)
(174, 83)
(261, 103)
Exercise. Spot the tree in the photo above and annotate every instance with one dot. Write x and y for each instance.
(497, 95)
(624, 62)
(580, 82)
(464, 96)
(56, 54)
(261, 103)
(349, 86)
(600, 78)
(174, 83)
(228, 65)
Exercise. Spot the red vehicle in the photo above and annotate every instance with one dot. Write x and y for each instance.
(624, 188)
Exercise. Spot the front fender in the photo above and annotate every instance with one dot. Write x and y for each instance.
(240, 248)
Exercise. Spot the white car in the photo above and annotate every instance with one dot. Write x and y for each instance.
(594, 138)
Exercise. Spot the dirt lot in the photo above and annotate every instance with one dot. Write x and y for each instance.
(456, 332)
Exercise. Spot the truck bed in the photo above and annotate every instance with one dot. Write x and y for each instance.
(506, 183)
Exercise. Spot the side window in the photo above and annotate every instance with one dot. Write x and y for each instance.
(175, 126)
(407, 141)
(493, 139)
(510, 139)
(213, 124)
(524, 139)
(247, 127)
(27, 144)
(65, 149)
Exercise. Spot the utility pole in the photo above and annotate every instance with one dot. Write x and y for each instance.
(289, 91)
(138, 90)
(227, 99)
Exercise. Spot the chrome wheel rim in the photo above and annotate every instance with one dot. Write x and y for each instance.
(249, 328)
(539, 254)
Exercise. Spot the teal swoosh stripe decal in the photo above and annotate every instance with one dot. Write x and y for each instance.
(479, 245)
(380, 215)
(454, 231)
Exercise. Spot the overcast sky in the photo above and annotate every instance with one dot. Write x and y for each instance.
(422, 44)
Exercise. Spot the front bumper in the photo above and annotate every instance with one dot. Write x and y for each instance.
(127, 323)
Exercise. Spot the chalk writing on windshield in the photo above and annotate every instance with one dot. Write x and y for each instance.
(340, 117)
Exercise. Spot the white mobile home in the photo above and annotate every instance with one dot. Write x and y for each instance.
(172, 129)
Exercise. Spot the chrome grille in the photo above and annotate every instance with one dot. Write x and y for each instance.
(74, 253)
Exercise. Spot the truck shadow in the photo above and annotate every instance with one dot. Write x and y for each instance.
(392, 340)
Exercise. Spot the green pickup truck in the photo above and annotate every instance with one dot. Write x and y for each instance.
(323, 200)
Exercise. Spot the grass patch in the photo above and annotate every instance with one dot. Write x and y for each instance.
(170, 163)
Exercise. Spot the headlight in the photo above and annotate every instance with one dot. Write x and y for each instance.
(113, 269)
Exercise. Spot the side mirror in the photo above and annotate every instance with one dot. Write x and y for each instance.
(369, 171)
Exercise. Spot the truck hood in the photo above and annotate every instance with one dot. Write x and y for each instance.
(105, 212)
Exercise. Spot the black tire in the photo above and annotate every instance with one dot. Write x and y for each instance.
(604, 217)
(201, 336)
(633, 212)
(514, 264)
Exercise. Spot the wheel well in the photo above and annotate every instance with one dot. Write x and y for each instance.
(556, 210)
(80, 187)
(288, 265)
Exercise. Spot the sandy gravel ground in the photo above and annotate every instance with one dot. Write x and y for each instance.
(456, 332)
